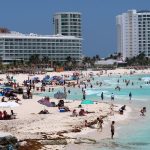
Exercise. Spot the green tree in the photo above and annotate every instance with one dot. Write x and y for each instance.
(34, 59)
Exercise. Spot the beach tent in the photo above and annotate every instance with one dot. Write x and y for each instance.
(87, 102)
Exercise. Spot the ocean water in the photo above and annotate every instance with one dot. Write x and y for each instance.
(133, 135)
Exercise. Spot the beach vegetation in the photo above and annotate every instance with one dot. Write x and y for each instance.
(139, 60)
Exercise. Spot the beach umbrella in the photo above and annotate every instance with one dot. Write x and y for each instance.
(3, 104)
(12, 104)
(87, 102)
(8, 104)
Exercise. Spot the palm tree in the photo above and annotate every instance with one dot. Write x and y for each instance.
(34, 59)
(45, 60)
(97, 57)
(68, 62)
(68, 59)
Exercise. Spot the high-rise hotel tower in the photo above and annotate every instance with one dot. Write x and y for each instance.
(133, 33)
(67, 23)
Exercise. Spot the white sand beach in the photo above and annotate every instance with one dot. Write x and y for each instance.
(31, 125)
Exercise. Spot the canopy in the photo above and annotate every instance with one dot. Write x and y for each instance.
(87, 102)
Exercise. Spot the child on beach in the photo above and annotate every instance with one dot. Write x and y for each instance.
(143, 110)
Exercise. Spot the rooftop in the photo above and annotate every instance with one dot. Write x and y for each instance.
(143, 11)
(13, 34)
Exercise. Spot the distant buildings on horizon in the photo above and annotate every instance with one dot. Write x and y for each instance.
(66, 42)
(133, 38)
(133, 33)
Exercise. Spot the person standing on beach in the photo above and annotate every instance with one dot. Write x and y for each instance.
(99, 124)
(112, 96)
(112, 129)
(102, 96)
(130, 95)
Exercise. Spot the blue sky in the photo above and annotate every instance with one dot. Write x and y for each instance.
(98, 19)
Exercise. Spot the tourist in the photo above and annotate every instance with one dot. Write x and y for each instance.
(69, 91)
(91, 86)
(130, 95)
(3, 99)
(86, 123)
(123, 107)
(74, 113)
(143, 111)
(82, 112)
(112, 129)
(102, 96)
(112, 96)
(12, 112)
(99, 124)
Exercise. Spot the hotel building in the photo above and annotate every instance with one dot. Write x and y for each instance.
(133, 33)
(18, 46)
(67, 23)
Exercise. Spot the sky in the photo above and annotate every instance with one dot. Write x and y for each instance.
(98, 19)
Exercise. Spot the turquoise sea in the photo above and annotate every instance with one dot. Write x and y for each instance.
(134, 135)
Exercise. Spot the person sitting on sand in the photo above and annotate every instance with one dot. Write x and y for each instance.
(44, 112)
(3, 99)
(82, 112)
(5, 115)
(60, 103)
(123, 107)
(80, 106)
(74, 113)
(143, 110)
(120, 111)
(87, 124)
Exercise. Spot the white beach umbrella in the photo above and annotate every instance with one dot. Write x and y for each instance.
(8, 104)
(12, 104)
(3, 104)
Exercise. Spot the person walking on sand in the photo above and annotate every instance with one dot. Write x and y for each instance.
(112, 129)
(99, 124)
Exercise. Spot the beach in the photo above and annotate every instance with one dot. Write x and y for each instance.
(31, 125)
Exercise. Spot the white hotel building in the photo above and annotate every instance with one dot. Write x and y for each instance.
(67, 23)
(17, 46)
(133, 33)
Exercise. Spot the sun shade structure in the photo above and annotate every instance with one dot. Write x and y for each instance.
(8, 104)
